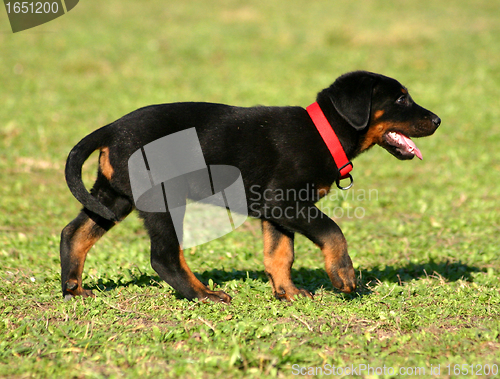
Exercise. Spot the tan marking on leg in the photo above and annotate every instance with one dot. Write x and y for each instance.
(266, 234)
(338, 264)
(278, 261)
(82, 241)
(203, 292)
(106, 168)
(192, 279)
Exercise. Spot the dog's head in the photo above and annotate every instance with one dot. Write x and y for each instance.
(382, 111)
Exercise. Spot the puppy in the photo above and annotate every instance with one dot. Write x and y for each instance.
(275, 149)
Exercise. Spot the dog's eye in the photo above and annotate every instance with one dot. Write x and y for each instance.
(402, 100)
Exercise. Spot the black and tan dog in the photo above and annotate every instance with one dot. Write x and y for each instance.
(275, 148)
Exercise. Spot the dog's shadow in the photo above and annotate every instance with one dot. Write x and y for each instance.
(316, 279)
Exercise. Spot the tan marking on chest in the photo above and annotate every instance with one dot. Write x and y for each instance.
(323, 191)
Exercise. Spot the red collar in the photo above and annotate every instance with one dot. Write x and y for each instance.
(332, 142)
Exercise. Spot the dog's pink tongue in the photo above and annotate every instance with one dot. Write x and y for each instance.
(412, 146)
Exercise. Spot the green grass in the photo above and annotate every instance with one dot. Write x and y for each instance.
(426, 249)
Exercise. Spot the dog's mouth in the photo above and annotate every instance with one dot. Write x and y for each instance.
(401, 146)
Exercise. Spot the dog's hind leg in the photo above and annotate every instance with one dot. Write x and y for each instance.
(82, 233)
(167, 259)
(278, 260)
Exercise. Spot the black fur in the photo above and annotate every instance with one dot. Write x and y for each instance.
(275, 148)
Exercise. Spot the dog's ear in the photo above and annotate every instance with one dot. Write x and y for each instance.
(351, 95)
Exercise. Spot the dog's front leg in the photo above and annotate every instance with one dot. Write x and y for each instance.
(324, 232)
(278, 261)
(338, 263)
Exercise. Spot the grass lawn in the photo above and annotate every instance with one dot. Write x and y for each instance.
(423, 236)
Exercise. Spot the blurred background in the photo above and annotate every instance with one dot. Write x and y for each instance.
(431, 226)
(64, 79)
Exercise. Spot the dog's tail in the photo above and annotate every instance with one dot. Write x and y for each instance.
(76, 158)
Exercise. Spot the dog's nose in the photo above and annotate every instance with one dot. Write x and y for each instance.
(436, 120)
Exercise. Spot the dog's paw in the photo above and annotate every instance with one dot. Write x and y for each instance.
(344, 279)
(72, 289)
(291, 293)
(215, 296)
